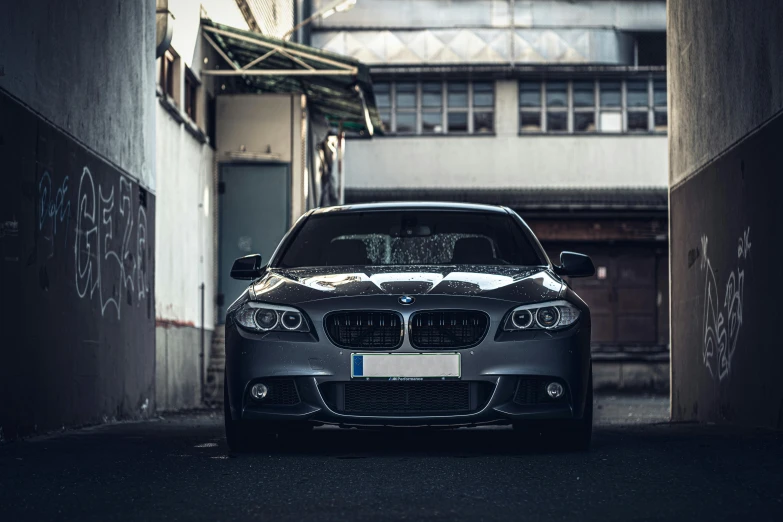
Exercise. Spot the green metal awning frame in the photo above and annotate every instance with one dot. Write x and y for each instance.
(337, 87)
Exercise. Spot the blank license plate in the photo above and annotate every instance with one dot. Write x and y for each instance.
(415, 365)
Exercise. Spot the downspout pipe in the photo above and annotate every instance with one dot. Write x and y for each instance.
(164, 27)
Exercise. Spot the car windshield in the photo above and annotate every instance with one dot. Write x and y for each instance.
(410, 237)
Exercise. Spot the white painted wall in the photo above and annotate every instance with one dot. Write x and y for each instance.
(185, 39)
(184, 230)
(508, 161)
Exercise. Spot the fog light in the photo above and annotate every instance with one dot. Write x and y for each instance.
(259, 391)
(554, 390)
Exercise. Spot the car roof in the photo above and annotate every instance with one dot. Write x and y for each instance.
(412, 205)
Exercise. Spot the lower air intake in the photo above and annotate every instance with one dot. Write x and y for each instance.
(407, 397)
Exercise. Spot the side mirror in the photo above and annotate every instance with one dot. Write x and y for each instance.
(248, 267)
(575, 265)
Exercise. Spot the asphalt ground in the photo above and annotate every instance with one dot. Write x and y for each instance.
(177, 467)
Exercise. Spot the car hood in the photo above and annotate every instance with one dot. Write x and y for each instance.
(299, 285)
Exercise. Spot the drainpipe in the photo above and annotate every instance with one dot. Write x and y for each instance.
(201, 353)
(164, 27)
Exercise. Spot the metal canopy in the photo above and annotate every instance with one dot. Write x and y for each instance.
(337, 87)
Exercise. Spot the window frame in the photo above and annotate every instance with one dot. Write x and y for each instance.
(192, 91)
(167, 73)
(638, 110)
(567, 109)
(490, 109)
(407, 110)
(622, 109)
(470, 110)
(531, 110)
(659, 108)
(430, 110)
(584, 110)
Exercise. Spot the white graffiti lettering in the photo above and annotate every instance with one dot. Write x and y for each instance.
(722, 331)
(108, 272)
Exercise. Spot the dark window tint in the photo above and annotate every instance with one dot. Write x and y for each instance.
(556, 94)
(530, 121)
(659, 93)
(483, 95)
(636, 93)
(458, 122)
(529, 94)
(557, 121)
(431, 122)
(610, 94)
(382, 96)
(584, 94)
(661, 121)
(413, 237)
(431, 95)
(483, 122)
(406, 122)
(406, 95)
(458, 95)
(584, 122)
(386, 120)
(637, 120)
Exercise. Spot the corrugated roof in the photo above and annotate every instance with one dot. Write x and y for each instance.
(336, 86)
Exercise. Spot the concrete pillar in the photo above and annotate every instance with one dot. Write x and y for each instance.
(506, 108)
(726, 129)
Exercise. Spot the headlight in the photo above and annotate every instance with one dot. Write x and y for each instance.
(542, 316)
(263, 317)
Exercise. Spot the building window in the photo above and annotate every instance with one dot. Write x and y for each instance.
(611, 115)
(637, 102)
(383, 102)
(431, 107)
(483, 108)
(557, 106)
(405, 103)
(635, 105)
(191, 95)
(458, 107)
(435, 107)
(168, 80)
(660, 114)
(584, 105)
(530, 107)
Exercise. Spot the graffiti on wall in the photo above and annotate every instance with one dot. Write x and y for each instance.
(723, 317)
(109, 235)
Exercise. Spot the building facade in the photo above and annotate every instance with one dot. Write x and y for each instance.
(239, 144)
(555, 108)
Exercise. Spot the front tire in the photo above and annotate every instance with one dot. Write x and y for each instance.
(580, 432)
(237, 433)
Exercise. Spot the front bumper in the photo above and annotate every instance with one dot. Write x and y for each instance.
(496, 365)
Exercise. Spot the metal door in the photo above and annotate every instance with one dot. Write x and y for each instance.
(622, 295)
(254, 216)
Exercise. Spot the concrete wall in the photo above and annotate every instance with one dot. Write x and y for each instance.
(507, 161)
(89, 69)
(726, 126)
(77, 213)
